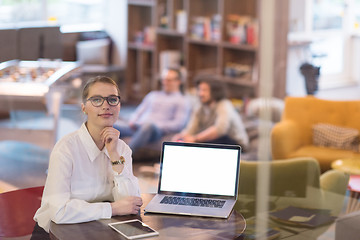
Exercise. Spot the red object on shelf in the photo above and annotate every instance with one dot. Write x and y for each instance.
(17, 211)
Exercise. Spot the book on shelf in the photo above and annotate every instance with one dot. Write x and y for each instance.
(303, 217)
(252, 33)
(181, 21)
(207, 29)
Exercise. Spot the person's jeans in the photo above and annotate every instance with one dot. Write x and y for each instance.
(141, 135)
(223, 140)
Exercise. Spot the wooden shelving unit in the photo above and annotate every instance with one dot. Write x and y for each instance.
(211, 51)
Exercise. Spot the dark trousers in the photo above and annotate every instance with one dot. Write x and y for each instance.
(223, 140)
(39, 233)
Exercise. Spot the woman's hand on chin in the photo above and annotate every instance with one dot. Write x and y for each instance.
(110, 137)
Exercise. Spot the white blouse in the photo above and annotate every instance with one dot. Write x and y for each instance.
(80, 179)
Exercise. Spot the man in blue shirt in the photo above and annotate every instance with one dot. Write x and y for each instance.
(160, 113)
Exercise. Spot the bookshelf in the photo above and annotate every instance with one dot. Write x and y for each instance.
(215, 37)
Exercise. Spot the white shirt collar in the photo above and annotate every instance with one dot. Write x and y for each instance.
(91, 149)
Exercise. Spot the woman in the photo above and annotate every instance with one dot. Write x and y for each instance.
(90, 171)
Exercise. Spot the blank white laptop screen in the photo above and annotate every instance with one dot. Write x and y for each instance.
(199, 170)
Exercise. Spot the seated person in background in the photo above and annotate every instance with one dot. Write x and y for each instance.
(160, 113)
(215, 120)
(90, 173)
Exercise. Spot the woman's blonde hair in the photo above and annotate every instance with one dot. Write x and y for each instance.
(92, 81)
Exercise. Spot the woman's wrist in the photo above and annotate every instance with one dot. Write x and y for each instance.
(117, 162)
(118, 168)
(121, 160)
(112, 209)
(114, 156)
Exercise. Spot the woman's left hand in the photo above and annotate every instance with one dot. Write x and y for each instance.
(110, 137)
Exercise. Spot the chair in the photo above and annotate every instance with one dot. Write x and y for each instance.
(294, 182)
(17, 211)
(293, 135)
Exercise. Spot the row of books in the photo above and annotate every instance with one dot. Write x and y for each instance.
(233, 69)
(242, 29)
(206, 28)
(239, 29)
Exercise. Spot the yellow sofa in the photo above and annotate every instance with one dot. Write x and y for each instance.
(293, 135)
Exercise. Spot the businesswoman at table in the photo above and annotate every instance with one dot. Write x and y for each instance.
(90, 171)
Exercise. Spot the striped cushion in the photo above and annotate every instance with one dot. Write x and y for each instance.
(328, 135)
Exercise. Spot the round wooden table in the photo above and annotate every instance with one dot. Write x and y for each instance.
(168, 226)
(348, 165)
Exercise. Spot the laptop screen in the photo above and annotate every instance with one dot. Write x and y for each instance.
(199, 169)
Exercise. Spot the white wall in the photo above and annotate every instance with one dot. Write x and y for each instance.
(296, 15)
(295, 82)
(355, 70)
(116, 27)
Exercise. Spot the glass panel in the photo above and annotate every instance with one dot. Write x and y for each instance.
(328, 14)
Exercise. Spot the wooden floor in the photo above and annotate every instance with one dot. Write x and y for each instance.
(24, 165)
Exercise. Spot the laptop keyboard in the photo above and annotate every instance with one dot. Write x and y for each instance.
(193, 201)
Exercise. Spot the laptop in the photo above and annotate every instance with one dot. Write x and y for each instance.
(197, 179)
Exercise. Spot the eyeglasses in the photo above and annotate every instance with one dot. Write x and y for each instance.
(97, 101)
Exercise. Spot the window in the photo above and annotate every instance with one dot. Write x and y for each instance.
(62, 12)
(326, 24)
(356, 10)
(328, 14)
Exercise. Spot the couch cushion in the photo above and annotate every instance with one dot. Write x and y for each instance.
(328, 135)
(323, 154)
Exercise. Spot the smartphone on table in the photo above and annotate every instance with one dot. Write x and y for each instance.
(133, 229)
